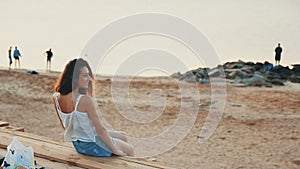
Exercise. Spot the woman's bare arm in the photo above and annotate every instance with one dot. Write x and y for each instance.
(54, 102)
(90, 107)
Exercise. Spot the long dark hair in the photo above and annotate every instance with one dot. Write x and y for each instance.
(67, 81)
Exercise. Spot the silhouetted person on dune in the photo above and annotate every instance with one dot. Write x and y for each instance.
(9, 57)
(17, 56)
(278, 51)
(49, 56)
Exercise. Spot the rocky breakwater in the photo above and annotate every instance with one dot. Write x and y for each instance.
(242, 73)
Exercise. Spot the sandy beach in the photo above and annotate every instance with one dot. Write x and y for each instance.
(259, 128)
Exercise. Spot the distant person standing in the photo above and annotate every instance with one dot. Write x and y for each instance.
(49, 56)
(9, 57)
(278, 51)
(17, 56)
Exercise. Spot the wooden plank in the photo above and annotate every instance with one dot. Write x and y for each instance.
(69, 146)
(51, 149)
(38, 149)
(4, 123)
(46, 163)
(36, 137)
(13, 128)
(65, 155)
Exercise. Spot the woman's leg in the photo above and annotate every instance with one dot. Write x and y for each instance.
(118, 135)
(125, 147)
(121, 142)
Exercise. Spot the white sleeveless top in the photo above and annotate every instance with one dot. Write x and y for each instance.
(78, 125)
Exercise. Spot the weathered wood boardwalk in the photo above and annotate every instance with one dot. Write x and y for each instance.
(64, 152)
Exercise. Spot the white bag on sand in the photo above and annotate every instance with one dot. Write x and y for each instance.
(18, 156)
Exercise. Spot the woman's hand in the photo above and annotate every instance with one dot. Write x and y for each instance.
(119, 153)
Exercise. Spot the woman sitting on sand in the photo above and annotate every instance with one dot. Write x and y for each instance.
(78, 115)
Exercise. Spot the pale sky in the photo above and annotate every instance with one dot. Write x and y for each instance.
(238, 29)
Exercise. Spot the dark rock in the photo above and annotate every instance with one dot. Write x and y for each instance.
(33, 72)
(266, 67)
(250, 63)
(248, 69)
(256, 80)
(277, 82)
(205, 81)
(244, 73)
(189, 77)
(296, 68)
(236, 73)
(200, 73)
(294, 78)
(268, 84)
(234, 65)
(258, 66)
(284, 72)
(215, 73)
(1, 159)
(176, 75)
(272, 75)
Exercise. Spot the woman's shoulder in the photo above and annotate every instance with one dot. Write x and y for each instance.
(86, 100)
(86, 97)
(85, 103)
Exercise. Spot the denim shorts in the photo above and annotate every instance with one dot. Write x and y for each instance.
(97, 149)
